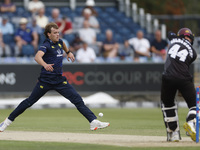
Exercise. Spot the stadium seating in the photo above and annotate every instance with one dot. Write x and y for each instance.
(123, 27)
(119, 38)
(72, 15)
(48, 11)
(99, 10)
(79, 10)
(65, 10)
(109, 18)
(41, 38)
(69, 37)
(101, 37)
(111, 10)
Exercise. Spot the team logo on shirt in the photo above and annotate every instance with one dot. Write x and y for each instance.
(59, 53)
(59, 45)
(65, 82)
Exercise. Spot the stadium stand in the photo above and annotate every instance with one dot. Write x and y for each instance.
(109, 17)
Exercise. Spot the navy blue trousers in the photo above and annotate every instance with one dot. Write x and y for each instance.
(64, 88)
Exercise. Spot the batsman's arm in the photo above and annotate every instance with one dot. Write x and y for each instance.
(39, 60)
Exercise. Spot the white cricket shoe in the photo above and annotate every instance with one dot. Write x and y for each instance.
(5, 124)
(190, 129)
(174, 136)
(96, 124)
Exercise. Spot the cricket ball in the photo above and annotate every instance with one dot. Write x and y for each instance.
(100, 114)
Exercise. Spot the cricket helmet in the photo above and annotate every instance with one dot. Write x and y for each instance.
(186, 32)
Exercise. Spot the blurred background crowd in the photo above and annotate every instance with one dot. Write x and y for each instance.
(93, 34)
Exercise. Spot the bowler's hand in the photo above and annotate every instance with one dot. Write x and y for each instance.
(49, 67)
(71, 56)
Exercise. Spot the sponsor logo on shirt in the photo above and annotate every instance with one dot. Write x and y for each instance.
(43, 47)
(59, 53)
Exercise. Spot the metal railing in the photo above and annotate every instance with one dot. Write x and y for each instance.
(139, 16)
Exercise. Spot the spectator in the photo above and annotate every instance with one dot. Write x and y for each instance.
(76, 44)
(65, 26)
(55, 16)
(87, 15)
(110, 47)
(93, 22)
(4, 50)
(6, 27)
(158, 48)
(7, 31)
(2, 45)
(90, 5)
(87, 34)
(141, 47)
(41, 19)
(34, 6)
(85, 54)
(35, 27)
(26, 37)
(8, 7)
(125, 53)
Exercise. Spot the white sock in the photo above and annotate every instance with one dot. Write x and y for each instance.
(7, 121)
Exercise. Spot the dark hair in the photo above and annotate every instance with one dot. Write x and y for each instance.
(48, 27)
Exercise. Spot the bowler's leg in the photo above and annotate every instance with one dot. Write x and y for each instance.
(69, 92)
(39, 90)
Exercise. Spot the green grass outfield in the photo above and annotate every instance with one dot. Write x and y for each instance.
(139, 121)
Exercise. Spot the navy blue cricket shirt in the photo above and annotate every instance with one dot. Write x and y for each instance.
(53, 55)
